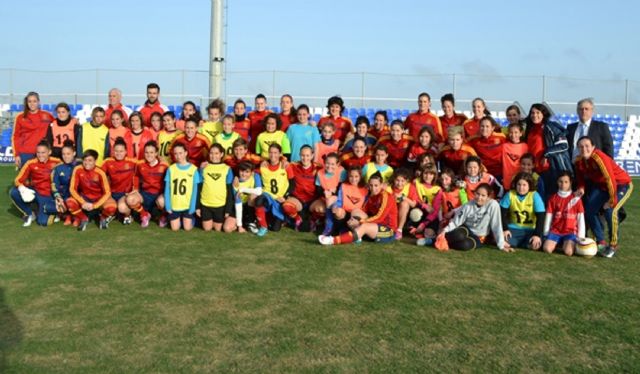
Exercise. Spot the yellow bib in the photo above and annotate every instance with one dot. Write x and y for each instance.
(265, 139)
(275, 183)
(371, 169)
(426, 193)
(249, 183)
(96, 139)
(164, 143)
(227, 144)
(211, 130)
(181, 187)
(214, 185)
(521, 212)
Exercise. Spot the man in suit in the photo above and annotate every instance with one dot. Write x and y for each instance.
(596, 130)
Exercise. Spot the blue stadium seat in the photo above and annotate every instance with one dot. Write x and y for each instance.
(405, 112)
(362, 111)
(171, 108)
(230, 109)
(316, 118)
(17, 107)
(352, 112)
(616, 117)
(249, 109)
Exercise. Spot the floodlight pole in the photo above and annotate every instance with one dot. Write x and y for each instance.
(216, 58)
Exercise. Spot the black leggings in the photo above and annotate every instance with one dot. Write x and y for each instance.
(462, 239)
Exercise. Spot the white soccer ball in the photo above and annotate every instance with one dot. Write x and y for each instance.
(415, 215)
(586, 247)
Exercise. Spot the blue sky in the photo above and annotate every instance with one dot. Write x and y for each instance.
(583, 39)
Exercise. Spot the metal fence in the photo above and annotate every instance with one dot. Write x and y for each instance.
(359, 89)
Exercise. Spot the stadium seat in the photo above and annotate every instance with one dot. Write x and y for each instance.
(316, 118)
(405, 112)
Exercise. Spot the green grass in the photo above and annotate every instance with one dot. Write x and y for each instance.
(127, 300)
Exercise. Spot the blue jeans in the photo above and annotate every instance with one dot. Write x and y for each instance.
(594, 201)
(46, 206)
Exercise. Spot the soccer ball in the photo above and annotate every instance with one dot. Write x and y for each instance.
(586, 247)
(415, 215)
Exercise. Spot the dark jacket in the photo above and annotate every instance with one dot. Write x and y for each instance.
(598, 132)
(557, 147)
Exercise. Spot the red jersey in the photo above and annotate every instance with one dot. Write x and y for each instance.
(148, 109)
(137, 142)
(233, 162)
(379, 133)
(416, 121)
(535, 142)
(471, 128)
(416, 150)
(304, 179)
(89, 186)
(343, 126)
(511, 153)
(454, 160)
(29, 130)
(197, 148)
(149, 178)
(242, 128)
(37, 175)
(126, 112)
(256, 126)
(457, 119)
(565, 212)
(120, 132)
(602, 172)
(490, 151)
(398, 150)
(286, 120)
(120, 173)
(349, 159)
(382, 210)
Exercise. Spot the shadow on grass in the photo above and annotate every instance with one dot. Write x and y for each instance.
(10, 332)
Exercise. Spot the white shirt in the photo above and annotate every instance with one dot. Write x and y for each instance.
(581, 130)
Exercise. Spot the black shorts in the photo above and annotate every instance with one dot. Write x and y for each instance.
(215, 214)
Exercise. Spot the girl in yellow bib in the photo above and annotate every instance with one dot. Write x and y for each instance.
(275, 179)
(181, 190)
(272, 135)
(523, 213)
(227, 136)
(380, 155)
(216, 196)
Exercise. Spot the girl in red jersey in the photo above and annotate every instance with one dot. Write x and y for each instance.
(304, 187)
(327, 144)
(512, 151)
(453, 196)
(476, 175)
(120, 170)
(148, 185)
(514, 116)
(62, 129)
(288, 115)
(397, 143)
(138, 136)
(343, 125)
(256, 118)
(240, 153)
(156, 125)
(423, 117)
(29, 128)
(197, 145)
(380, 126)
(454, 154)
(189, 110)
(33, 184)
(377, 220)
(488, 146)
(425, 144)
(118, 129)
(242, 124)
(472, 125)
(564, 222)
(90, 192)
(351, 196)
(450, 118)
(327, 181)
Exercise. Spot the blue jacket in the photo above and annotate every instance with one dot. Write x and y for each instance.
(556, 147)
(61, 179)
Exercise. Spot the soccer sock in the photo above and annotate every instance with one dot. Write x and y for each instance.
(75, 209)
(239, 214)
(328, 222)
(138, 209)
(108, 211)
(261, 216)
(347, 237)
(290, 210)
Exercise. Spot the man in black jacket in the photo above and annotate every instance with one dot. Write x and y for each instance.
(596, 130)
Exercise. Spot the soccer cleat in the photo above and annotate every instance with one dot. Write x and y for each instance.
(609, 252)
(56, 218)
(325, 239)
(83, 225)
(104, 224)
(127, 220)
(145, 218)
(253, 228)
(424, 241)
(28, 220)
(162, 222)
(262, 231)
(602, 246)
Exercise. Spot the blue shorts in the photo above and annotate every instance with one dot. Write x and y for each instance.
(561, 238)
(182, 214)
(117, 195)
(520, 237)
(385, 234)
(148, 200)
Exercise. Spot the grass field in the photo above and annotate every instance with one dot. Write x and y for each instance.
(130, 300)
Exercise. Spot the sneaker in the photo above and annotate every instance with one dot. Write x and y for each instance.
(28, 220)
(262, 231)
(253, 228)
(325, 239)
(424, 241)
(162, 222)
(602, 246)
(127, 220)
(144, 220)
(398, 235)
(56, 218)
(82, 226)
(68, 220)
(609, 252)
(104, 224)
(109, 219)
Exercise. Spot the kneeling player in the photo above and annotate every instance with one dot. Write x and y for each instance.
(148, 185)
(351, 196)
(216, 197)
(275, 178)
(327, 182)
(247, 186)
(181, 189)
(90, 192)
(378, 220)
(120, 170)
(61, 179)
(304, 188)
